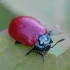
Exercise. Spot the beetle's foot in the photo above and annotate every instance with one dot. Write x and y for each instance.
(27, 53)
(42, 56)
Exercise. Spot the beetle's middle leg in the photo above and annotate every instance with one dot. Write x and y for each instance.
(17, 42)
(42, 55)
(33, 49)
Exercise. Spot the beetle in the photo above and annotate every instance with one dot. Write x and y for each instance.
(29, 31)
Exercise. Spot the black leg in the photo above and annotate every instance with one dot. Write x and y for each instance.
(17, 42)
(42, 55)
(30, 51)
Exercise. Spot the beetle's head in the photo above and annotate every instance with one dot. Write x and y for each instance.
(43, 47)
(46, 46)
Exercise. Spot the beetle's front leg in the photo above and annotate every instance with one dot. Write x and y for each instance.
(30, 51)
(42, 55)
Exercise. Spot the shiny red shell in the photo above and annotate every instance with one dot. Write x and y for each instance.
(26, 30)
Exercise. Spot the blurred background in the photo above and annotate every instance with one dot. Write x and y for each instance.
(53, 12)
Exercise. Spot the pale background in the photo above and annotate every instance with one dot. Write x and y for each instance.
(53, 12)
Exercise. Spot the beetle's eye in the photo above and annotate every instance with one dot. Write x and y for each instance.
(45, 43)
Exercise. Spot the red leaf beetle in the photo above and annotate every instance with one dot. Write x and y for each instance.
(29, 31)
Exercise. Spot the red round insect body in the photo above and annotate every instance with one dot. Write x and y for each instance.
(26, 30)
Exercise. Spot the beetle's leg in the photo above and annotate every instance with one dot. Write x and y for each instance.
(30, 51)
(42, 55)
(17, 42)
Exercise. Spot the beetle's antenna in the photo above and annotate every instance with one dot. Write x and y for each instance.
(49, 33)
(57, 42)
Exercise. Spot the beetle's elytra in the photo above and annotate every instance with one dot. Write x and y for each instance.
(29, 31)
(26, 30)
